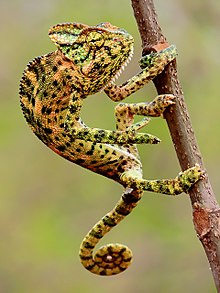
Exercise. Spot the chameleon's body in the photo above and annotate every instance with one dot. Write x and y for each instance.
(52, 91)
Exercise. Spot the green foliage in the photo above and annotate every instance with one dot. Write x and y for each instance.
(44, 198)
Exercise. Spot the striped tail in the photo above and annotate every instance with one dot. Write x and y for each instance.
(114, 258)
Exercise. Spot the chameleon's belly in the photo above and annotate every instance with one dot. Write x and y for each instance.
(105, 159)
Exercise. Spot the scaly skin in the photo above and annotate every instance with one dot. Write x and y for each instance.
(52, 91)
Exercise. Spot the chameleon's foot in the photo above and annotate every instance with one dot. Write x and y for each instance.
(189, 177)
(160, 103)
(163, 56)
(125, 112)
(137, 126)
(133, 137)
(109, 260)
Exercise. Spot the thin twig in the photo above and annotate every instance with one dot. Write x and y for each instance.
(206, 211)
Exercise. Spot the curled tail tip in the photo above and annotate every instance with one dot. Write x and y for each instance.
(109, 260)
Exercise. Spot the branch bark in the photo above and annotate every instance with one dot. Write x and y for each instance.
(206, 211)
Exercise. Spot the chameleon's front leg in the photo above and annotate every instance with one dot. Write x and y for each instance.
(152, 65)
(125, 112)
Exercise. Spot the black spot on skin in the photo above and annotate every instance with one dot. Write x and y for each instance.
(45, 94)
(86, 258)
(99, 134)
(96, 234)
(79, 161)
(107, 221)
(72, 109)
(89, 245)
(48, 130)
(33, 102)
(61, 148)
(54, 68)
(68, 145)
(90, 153)
(48, 111)
(90, 267)
(28, 96)
(76, 89)
(28, 82)
(55, 83)
(86, 132)
(43, 109)
(35, 70)
(129, 198)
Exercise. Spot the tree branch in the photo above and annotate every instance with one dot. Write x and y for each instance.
(206, 211)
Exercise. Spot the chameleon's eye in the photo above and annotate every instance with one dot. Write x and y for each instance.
(95, 39)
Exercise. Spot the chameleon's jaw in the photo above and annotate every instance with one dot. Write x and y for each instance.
(126, 62)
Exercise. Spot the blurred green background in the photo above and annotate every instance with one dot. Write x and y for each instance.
(48, 204)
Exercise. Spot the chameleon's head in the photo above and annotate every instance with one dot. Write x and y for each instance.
(98, 52)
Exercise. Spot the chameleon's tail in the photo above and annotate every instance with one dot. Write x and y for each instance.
(110, 259)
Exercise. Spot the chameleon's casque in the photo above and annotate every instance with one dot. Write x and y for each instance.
(52, 90)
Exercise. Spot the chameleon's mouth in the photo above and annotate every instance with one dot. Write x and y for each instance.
(126, 62)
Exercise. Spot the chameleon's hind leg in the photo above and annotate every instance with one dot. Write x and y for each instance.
(181, 183)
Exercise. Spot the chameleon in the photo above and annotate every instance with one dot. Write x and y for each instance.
(53, 87)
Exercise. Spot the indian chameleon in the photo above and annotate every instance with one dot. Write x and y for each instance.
(52, 90)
